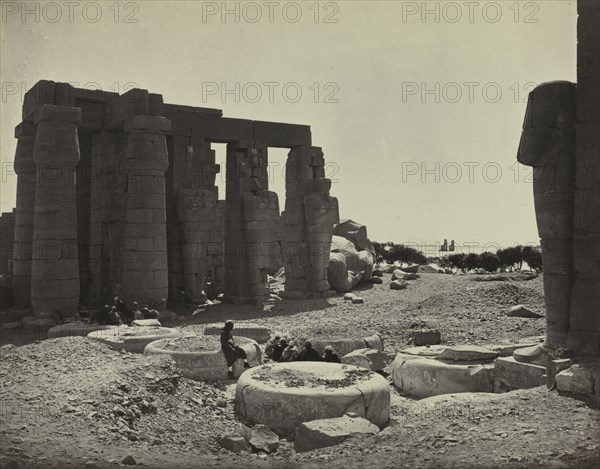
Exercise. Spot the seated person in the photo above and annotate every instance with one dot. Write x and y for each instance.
(271, 344)
(114, 319)
(329, 356)
(278, 351)
(230, 349)
(290, 353)
(308, 354)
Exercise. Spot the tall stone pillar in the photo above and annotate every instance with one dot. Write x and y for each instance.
(584, 333)
(548, 144)
(55, 263)
(310, 214)
(145, 269)
(23, 246)
(248, 229)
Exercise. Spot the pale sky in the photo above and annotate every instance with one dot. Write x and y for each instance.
(410, 168)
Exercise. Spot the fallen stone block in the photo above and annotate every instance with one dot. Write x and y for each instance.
(236, 444)
(376, 280)
(263, 439)
(410, 276)
(397, 274)
(521, 311)
(372, 359)
(357, 300)
(398, 285)
(377, 273)
(411, 269)
(328, 432)
(425, 377)
(467, 353)
(510, 374)
(580, 379)
(349, 296)
(427, 337)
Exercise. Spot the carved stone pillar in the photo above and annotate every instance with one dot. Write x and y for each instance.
(55, 263)
(248, 230)
(145, 270)
(22, 252)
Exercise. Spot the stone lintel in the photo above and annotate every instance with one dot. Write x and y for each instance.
(151, 123)
(282, 135)
(50, 112)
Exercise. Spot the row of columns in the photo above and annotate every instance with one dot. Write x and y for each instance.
(46, 251)
(133, 226)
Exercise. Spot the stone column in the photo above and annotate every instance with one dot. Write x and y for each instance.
(55, 263)
(25, 169)
(548, 144)
(584, 333)
(145, 269)
(310, 214)
(248, 236)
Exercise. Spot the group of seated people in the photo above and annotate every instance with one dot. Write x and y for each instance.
(118, 314)
(280, 350)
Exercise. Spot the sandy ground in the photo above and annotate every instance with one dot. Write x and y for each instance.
(71, 402)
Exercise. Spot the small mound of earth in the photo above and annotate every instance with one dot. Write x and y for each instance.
(340, 378)
(198, 343)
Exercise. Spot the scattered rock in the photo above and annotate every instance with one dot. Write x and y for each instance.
(427, 337)
(521, 311)
(398, 285)
(358, 300)
(263, 439)
(349, 296)
(377, 273)
(397, 274)
(129, 461)
(329, 432)
(578, 379)
(411, 269)
(236, 444)
(369, 358)
(410, 276)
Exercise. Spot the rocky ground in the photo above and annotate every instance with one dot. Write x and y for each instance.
(71, 402)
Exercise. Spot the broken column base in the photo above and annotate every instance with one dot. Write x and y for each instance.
(580, 379)
(509, 374)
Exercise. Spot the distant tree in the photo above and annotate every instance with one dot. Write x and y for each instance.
(533, 256)
(471, 261)
(507, 258)
(489, 261)
(456, 260)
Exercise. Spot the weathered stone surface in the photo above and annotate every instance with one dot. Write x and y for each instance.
(467, 353)
(511, 374)
(397, 274)
(410, 276)
(236, 444)
(424, 377)
(132, 339)
(72, 329)
(580, 379)
(534, 354)
(283, 407)
(206, 365)
(521, 311)
(372, 359)
(263, 439)
(357, 300)
(276, 134)
(328, 432)
(253, 331)
(349, 296)
(427, 337)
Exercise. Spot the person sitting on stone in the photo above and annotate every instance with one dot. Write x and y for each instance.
(137, 314)
(290, 353)
(271, 344)
(125, 315)
(308, 353)
(329, 356)
(278, 351)
(231, 350)
(114, 319)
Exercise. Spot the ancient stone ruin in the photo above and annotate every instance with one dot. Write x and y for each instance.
(561, 141)
(116, 195)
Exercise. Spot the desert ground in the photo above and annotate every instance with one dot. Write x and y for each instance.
(72, 402)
